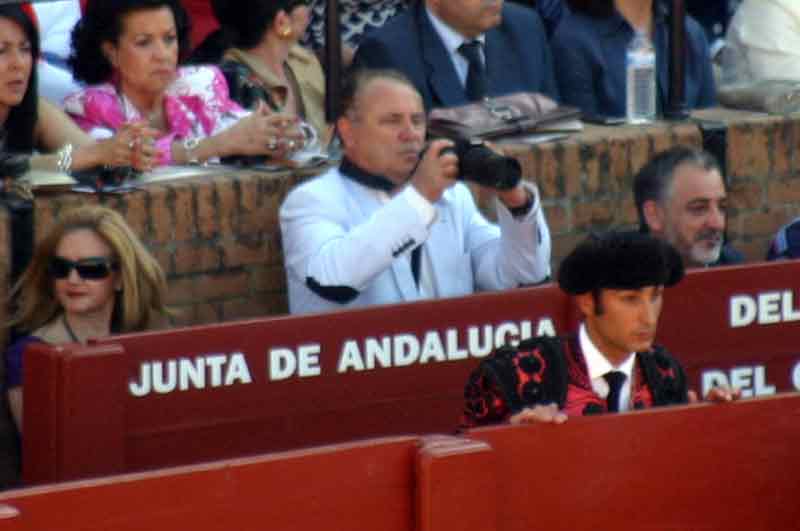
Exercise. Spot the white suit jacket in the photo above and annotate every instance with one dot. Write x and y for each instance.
(344, 247)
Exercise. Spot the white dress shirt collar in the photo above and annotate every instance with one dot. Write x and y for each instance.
(452, 40)
(597, 365)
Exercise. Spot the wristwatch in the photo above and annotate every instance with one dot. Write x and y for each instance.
(189, 145)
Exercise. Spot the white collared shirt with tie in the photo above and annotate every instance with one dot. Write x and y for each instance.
(598, 365)
(452, 42)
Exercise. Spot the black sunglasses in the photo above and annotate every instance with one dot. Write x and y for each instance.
(87, 268)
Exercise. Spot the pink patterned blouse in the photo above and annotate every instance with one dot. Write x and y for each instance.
(196, 105)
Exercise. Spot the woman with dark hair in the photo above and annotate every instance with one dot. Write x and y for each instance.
(128, 51)
(265, 63)
(28, 122)
(90, 276)
(589, 54)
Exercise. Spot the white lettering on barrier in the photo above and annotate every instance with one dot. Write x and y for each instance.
(546, 328)
(506, 333)
(752, 380)
(479, 345)
(769, 307)
(743, 310)
(183, 374)
(454, 352)
(432, 348)
(380, 351)
(405, 350)
(399, 350)
(402, 350)
(309, 360)
(284, 363)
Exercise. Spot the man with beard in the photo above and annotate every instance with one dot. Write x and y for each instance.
(680, 196)
(392, 223)
(457, 51)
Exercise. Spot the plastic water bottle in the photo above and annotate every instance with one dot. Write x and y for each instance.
(640, 80)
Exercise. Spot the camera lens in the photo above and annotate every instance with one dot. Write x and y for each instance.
(479, 164)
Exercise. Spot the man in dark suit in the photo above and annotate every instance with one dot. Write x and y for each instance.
(456, 51)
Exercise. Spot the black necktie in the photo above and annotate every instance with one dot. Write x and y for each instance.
(476, 75)
(615, 380)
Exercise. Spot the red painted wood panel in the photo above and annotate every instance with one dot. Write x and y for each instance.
(730, 466)
(327, 405)
(366, 486)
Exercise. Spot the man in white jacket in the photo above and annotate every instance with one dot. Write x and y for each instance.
(392, 223)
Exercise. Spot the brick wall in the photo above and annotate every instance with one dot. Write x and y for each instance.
(217, 239)
(219, 242)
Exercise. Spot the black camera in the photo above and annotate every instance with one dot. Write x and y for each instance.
(478, 163)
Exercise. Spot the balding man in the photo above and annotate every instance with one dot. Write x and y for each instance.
(392, 223)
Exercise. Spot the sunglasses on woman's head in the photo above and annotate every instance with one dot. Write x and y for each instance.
(88, 268)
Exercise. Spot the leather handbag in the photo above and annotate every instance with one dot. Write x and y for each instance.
(521, 113)
(773, 96)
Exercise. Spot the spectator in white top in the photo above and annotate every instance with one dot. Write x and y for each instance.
(56, 20)
(763, 42)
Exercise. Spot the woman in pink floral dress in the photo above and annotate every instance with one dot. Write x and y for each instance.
(127, 51)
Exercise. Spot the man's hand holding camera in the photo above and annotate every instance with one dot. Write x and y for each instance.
(437, 170)
(444, 160)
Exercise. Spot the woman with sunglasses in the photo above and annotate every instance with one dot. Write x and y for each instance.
(128, 52)
(263, 61)
(89, 277)
(31, 124)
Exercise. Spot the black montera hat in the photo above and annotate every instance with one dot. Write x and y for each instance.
(620, 260)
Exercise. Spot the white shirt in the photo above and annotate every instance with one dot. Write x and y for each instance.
(452, 41)
(598, 365)
(763, 42)
(56, 21)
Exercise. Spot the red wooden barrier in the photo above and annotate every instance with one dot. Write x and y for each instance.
(76, 416)
(456, 478)
(342, 393)
(356, 486)
(280, 383)
(737, 325)
(730, 466)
